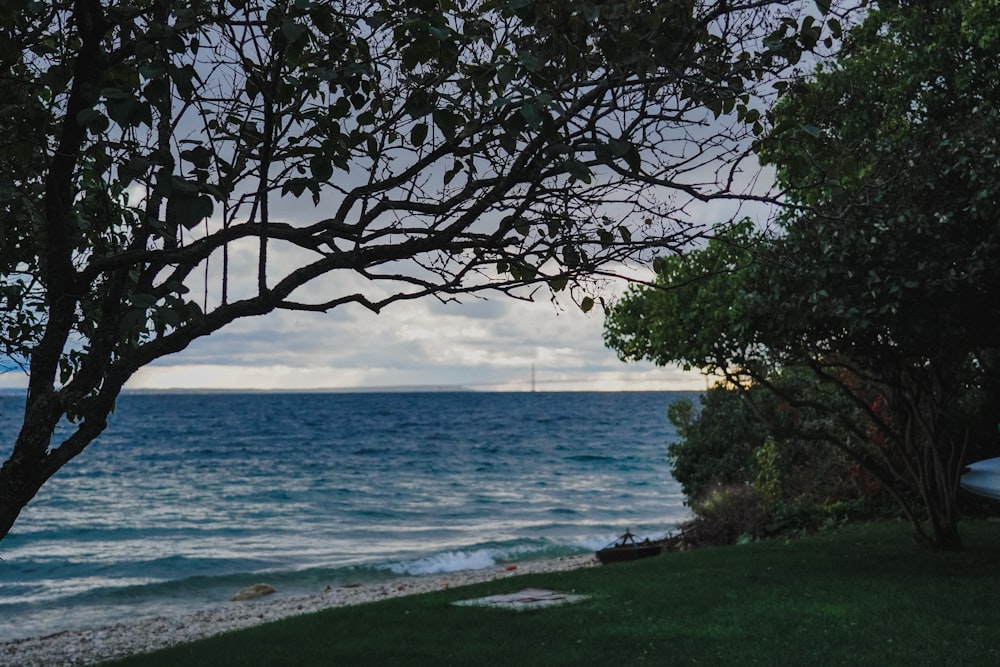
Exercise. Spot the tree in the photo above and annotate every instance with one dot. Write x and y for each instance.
(703, 313)
(747, 436)
(360, 151)
(884, 284)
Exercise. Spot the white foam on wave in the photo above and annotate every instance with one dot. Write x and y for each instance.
(50, 590)
(478, 558)
(448, 561)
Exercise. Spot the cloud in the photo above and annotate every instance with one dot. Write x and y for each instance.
(490, 344)
(497, 343)
(485, 344)
(494, 343)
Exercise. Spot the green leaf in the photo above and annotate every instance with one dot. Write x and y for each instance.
(293, 31)
(571, 257)
(447, 121)
(508, 141)
(835, 28)
(129, 112)
(294, 186)
(184, 79)
(189, 209)
(506, 74)
(456, 168)
(114, 94)
(199, 156)
(418, 134)
(441, 34)
(156, 90)
(321, 168)
(577, 170)
(132, 320)
(420, 103)
(531, 113)
(143, 300)
(558, 283)
(136, 166)
(587, 304)
(92, 119)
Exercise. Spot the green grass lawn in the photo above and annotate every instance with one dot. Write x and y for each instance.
(859, 595)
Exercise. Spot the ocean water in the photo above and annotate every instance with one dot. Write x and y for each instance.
(188, 497)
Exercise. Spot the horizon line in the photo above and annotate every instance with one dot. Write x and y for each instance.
(372, 389)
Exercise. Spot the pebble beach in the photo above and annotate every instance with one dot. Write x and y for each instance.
(94, 645)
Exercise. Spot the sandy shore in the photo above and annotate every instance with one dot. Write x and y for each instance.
(93, 645)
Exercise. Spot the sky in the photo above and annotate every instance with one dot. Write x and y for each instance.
(494, 344)
(486, 344)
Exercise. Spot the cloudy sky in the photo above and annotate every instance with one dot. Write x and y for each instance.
(494, 344)
(485, 344)
(489, 345)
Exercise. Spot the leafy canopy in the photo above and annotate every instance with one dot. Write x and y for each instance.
(168, 167)
(883, 283)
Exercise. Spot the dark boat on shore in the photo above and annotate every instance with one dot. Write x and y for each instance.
(626, 548)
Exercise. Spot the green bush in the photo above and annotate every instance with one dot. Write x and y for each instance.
(717, 441)
(740, 446)
(728, 514)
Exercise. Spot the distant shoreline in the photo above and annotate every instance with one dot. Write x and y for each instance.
(390, 389)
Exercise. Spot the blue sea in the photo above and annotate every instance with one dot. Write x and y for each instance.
(188, 497)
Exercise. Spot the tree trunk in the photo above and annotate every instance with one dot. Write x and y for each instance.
(942, 514)
(946, 535)
(23, 474)
(34, 459)
(943, 534)
(19, 482)
(939, 498)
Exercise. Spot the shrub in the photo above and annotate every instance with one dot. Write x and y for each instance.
(717, 441)
(745, 473)
(728, 514)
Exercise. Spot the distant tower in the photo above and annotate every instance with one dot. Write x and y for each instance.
(532, 378)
